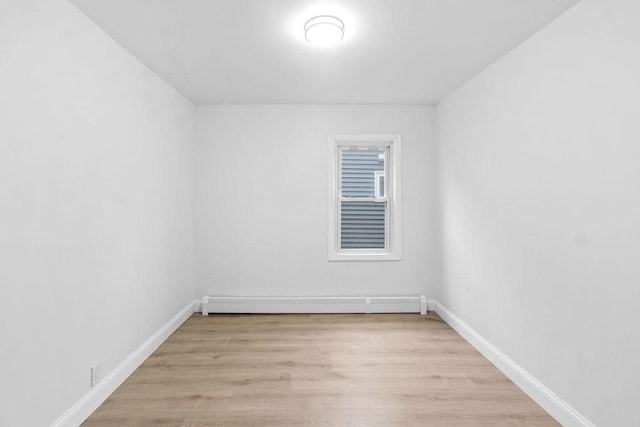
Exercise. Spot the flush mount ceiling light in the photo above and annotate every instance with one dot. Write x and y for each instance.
(324, 30)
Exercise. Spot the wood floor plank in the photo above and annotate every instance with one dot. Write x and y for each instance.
(330, 370)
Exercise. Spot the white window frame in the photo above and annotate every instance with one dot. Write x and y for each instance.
(379, 191)
(393, 224)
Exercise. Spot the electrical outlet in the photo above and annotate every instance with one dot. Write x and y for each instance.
(95, 374)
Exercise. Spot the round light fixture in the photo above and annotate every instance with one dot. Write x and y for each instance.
(324, 30)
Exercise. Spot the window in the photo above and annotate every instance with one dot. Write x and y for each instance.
(378, 177)
(364, 198)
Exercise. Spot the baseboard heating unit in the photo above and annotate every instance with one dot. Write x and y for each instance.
(275, 305)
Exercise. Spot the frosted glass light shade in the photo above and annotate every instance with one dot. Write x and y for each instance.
(324, 30)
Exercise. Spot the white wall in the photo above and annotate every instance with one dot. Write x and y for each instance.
(96, 206)
(262, 201)
(540, 175)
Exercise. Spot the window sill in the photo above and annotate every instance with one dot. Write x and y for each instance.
(365, 257)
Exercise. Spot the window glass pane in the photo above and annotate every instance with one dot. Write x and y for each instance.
(359, 169)
(362, 225)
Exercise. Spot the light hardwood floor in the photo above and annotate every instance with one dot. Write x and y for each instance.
(331, 370)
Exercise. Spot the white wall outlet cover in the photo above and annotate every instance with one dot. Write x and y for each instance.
(95, 374)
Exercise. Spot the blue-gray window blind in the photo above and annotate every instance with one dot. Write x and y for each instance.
(363, 216)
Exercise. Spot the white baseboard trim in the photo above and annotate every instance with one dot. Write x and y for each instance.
(550, 402)
(84, 407)
(332, 304)
(197, 306)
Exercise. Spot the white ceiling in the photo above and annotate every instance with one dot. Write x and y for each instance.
(253, 51)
